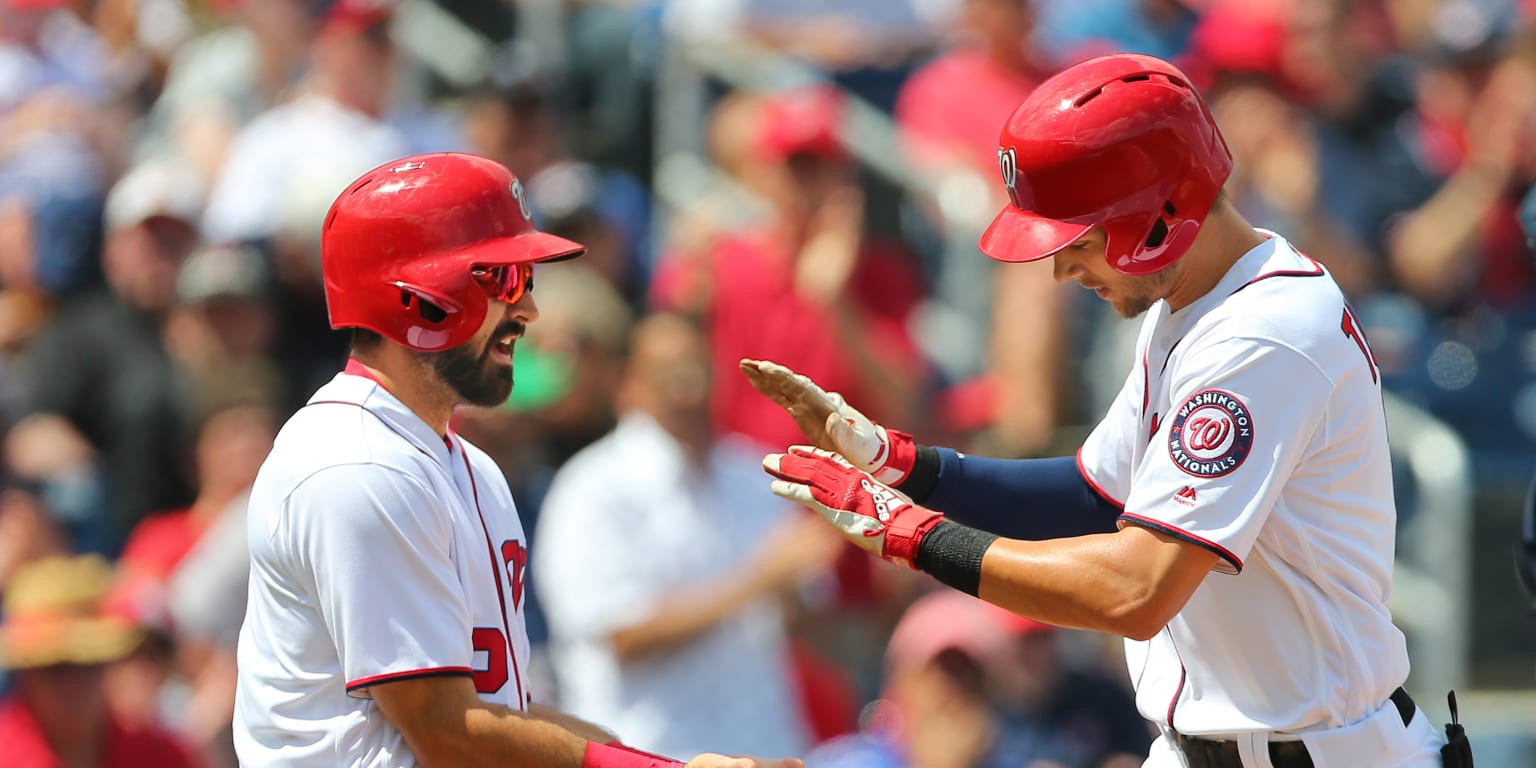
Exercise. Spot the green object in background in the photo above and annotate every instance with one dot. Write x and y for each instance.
(539, 378)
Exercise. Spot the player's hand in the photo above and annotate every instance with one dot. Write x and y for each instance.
(711, 760)
(831, 424)
(871, 515)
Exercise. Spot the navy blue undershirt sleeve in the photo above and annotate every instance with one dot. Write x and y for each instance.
(1019, 498)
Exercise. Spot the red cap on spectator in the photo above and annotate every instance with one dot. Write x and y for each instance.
(1240, 36)
(354, 16)
(802, 121)
(948, 619)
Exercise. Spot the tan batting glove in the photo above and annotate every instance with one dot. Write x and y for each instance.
(830, 423)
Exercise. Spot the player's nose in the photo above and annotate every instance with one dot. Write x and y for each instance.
(1064, 268)
(525, 310)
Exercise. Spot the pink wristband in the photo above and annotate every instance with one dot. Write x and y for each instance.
(616, 755)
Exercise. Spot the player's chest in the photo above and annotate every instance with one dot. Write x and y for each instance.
(488, 546)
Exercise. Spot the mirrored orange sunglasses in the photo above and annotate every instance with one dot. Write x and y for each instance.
(504, 282)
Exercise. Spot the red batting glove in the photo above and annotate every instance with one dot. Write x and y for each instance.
(868, 513)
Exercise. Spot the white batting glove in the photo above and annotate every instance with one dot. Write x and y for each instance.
(830, 423)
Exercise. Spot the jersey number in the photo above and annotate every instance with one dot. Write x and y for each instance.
(494, 644)
(1351, 327)
(516, 559)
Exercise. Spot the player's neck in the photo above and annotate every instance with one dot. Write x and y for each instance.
(1225, 237)
(409, 378)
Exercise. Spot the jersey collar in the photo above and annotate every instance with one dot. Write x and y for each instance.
(355, 387)
(1275, 253)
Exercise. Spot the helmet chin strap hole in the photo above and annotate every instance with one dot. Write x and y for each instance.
(1169, 209)
(1159, 231)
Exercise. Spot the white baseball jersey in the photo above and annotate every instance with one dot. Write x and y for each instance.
(380, 551)
(1252, 425)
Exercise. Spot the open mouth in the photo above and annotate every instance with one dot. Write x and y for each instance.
(501, 349)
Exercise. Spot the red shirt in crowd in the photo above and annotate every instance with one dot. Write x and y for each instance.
(959, 102)
(754, 312)
(25, 747)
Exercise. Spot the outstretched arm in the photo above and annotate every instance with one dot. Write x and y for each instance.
(1015, 498)
(447, 724)
(1130, 582)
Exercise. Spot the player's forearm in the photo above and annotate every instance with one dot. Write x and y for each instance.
(572, 723)
(490, 736)
(1014, 498)
(1128, 583)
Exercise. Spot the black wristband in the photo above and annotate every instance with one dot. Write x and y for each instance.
(951, 553)
(924, 474)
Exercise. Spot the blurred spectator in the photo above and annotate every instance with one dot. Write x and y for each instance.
(1277, 178)
(935, 710)
(182, 577)
(224, 78)
(657, 623)
(46, 47)
(969, 684)
(808, 286)
(950, 112)
(1477, 110)
(58, 643)
(1058, 713)
(333, 128)
(223, 327)
(104, 419)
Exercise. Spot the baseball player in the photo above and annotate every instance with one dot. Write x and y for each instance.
(385, 624)
(1248, 440)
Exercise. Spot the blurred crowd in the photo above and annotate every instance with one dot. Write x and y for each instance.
(166, 166)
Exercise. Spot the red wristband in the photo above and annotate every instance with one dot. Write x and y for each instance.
(903, 457)
(616, 755)
(904, 534)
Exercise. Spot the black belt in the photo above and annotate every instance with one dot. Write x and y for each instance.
(1216, 753)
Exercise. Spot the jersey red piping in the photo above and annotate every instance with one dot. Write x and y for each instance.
(409, 674)
(1177, 532)
(1082, 470)
(1177, 692)
(496, 568)
(1317, 271)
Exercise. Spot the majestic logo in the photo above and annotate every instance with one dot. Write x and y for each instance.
(1212, 434)
(522, 199)
(1008, 163)
(1186, 496)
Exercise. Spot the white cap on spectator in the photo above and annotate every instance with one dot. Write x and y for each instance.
(214, 271)
(160, 187)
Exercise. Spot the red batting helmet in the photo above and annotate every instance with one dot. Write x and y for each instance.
(399, 243)
(1121, 142)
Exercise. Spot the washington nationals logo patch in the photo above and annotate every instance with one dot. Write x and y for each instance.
(1212, 434)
